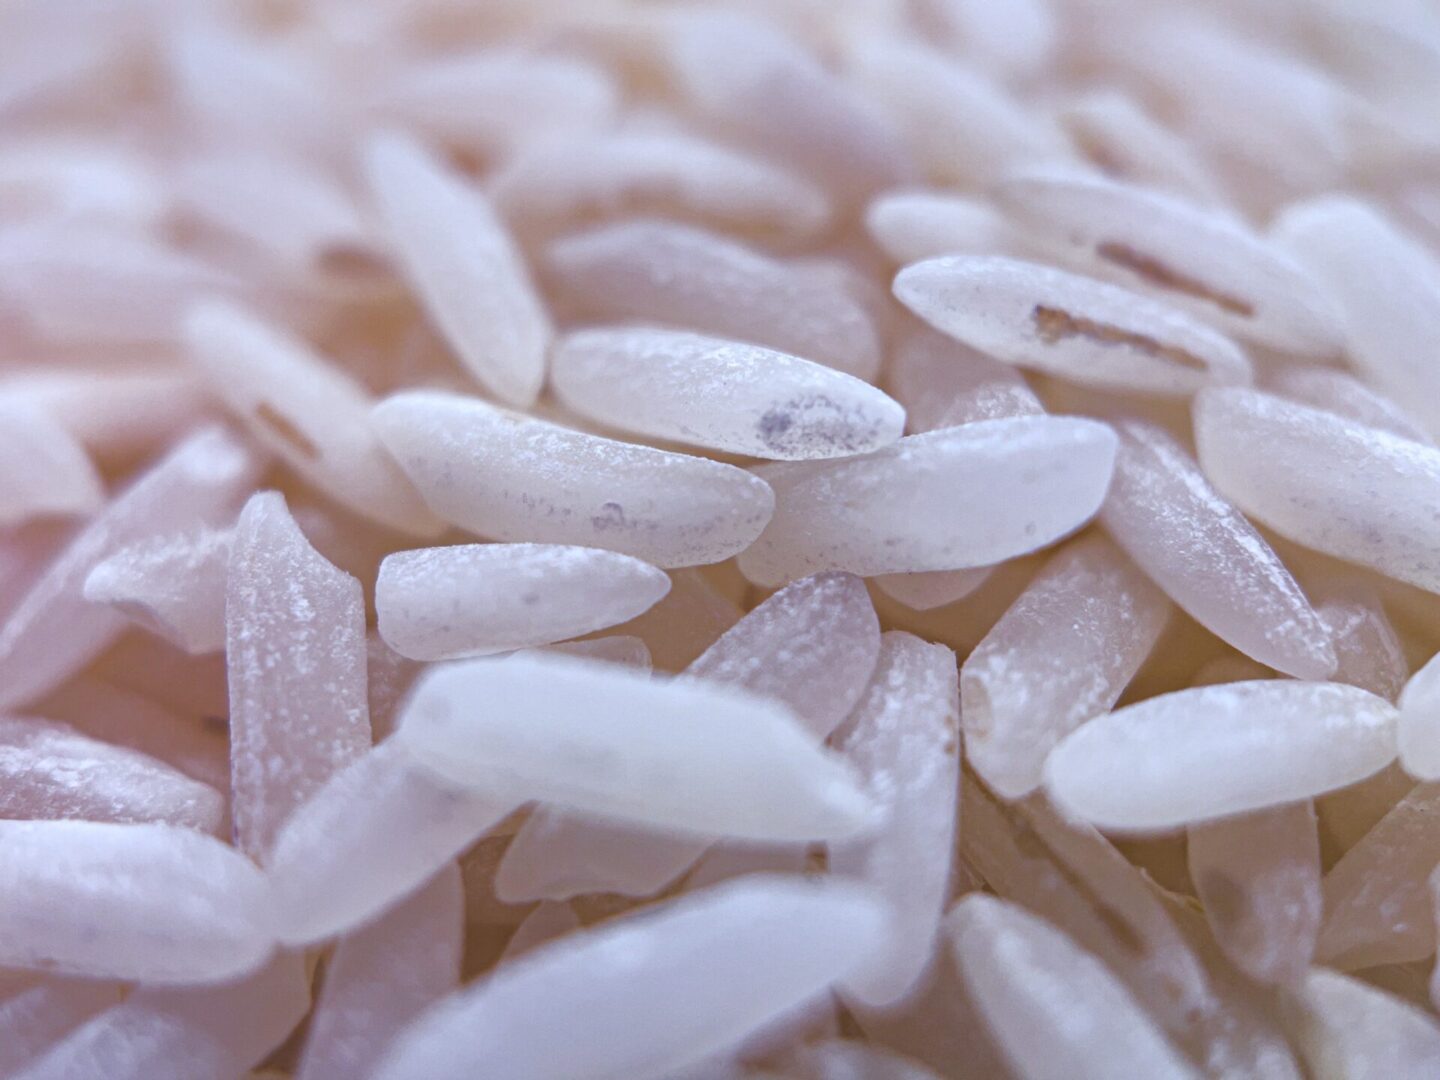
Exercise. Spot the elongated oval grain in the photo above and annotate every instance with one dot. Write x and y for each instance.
(475, 599)
(513, 478)
(1325, 482)
(171, 585)
(177, 906)
(1054, 1009)
(1420, 723)
(464, 266)
(1199, 260)
(915, 225)
(1061, 654)
(903, 737)
(313, 415)
(811, 646)
(1388, 287)
(1258, 876)
(201, 1033)
(669, 174)
(707, 970)
(670, 274)
(368, 838)
(1195, 755)
(680, 754)
(44, 471)
(54, 631)
(1208, 558)
(382, 975)
(724, 395)
(1080, 329)
(1347, 1028)
(49, 770)
(946, 500)
(1377, 909)
(295, 658)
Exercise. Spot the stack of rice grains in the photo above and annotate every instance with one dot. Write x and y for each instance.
(710, 539)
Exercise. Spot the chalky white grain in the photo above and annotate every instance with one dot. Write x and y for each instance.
(476, 599)
(723, 395)
(495, 473)
(171, 585)
(1347, 1028)
(1200, 754)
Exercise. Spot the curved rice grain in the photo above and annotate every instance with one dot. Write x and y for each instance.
(1208, 558)
(946, 500)
(463, 264)
(1197, 755)
(311, 414)
(707, 969)
(1420, 723)
(572, 179)
(1083, 330)
(1346, 1028)
(1021, 969)
(670, 274)
(1328, 483)
(44, 471)
(914, 225)
(173, 586)
(513, 478)
(1198, 260)
(180, 907)
(475, 599)
(723, 395)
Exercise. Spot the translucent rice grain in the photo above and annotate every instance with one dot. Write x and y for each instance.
(1258, 876)
(171, 585)
(915, 225)
(493, 472)
(1023, 972)
(1156, 765)
(198, 1033)
(812, 646)
(724, 395)
(1347, 1029)
(1419, 731)
(706, 971)
(178, 906)
(381, 976)
(475, 599)
(772, 95)
(367, 839)
(464, 266)
(1342, 394)
(45, 1012)
(667, 174)
(962, 128)
(943, 382)
(597, 738)
(1209, 558)
(54, 631)
(1087, 331)
(494, 100)
(1325, 482)
(1198, 260)
(295, 653)
(946, 500)
(903, 737)
(1388, 287)
(1063, 653)
(48, 770)
(1377, 910)
(310, 413)
(670, 274)
(1123, 140)
(928, 590)
(44, 471)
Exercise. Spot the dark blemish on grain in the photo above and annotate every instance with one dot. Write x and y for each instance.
(611, 516)
(286, 430)
(1054, 325)
(1165, 277)
(530, 598)
(774, 424)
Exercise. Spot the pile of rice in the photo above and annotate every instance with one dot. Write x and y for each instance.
(815, 539)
